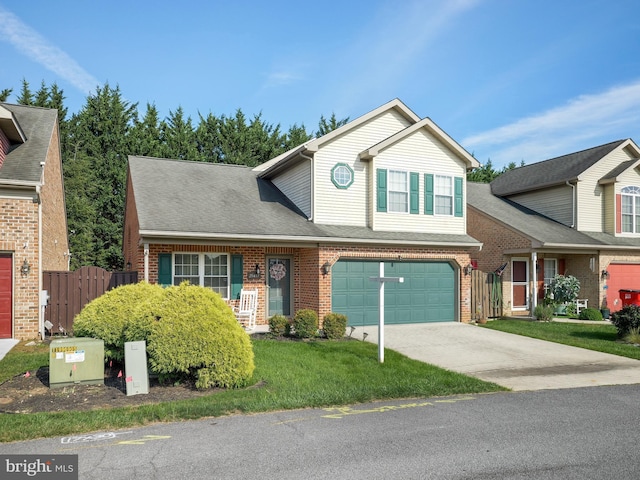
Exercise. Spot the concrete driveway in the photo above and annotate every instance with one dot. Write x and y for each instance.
(513, 361)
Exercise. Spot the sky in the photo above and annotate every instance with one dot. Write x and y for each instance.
(509, 80)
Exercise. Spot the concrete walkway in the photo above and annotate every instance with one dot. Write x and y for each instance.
(513, 361)
(6, 344)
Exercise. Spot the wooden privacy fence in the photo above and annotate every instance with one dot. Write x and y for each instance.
(486, 295)
(70, 291)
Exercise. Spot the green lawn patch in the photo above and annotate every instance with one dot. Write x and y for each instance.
(288, 375)
(602, 338)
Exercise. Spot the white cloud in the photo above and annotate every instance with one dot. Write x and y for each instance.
(583, 122)
(280, 78)
(40, 50)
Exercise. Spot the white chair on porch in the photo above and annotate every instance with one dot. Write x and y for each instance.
(247, 309)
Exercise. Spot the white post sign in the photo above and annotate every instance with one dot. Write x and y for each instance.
(382, 280)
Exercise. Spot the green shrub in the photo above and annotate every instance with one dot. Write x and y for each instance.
(571, 310)
(633, 336)
(195, 333)
(305, 323)
(590, 314)
(107, 316)
(190, 332)
(626, 319)
(278, 325)
(334, 325)
(564, 289)
(543, 313)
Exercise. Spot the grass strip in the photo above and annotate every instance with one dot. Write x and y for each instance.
(288, 375)
(601, 338)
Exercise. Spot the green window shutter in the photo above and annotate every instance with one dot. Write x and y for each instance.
(164, 269)
(458, 198)
(382, 190)
(428, 194)
(413, 192)
(236, 276)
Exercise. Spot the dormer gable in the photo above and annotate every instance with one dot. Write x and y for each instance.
(430, 126)
(298, 154)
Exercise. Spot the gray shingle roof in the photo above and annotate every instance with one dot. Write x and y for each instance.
(180, 199)
(554, 171)
(22, 163)
(542, 230)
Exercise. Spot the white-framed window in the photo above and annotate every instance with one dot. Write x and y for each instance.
(630, 213)
(443, 193)
(398, 191)
(550, 271)
(204, 269)
(342, 175)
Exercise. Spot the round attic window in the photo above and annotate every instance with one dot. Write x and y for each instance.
(342, 175)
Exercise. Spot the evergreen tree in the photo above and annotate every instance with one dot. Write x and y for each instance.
(146, 137)
(26, 96)
(178, 137)
(4, 94)
(325, 126)
(297, 135)
(100, 135)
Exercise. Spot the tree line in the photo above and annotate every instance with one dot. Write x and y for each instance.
(96, 140)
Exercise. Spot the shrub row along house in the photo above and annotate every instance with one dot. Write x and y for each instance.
(33, 223)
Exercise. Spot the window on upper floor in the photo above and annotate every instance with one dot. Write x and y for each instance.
(342, 175)
(443, 195)
(630, 209)
(398, 191)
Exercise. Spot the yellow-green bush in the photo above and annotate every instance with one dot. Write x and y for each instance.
(194, 332)
(189, 330)
(107, 316)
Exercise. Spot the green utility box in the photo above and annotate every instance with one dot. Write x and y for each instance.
(76, 360)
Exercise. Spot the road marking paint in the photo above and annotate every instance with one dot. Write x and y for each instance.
(141, 441)
(92, 437)
(346, 411)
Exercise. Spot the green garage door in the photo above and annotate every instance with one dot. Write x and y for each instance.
(428, 293)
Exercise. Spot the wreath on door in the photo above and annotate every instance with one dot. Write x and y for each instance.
(277, 271)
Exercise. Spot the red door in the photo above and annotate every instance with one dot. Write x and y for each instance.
(6, 290)
(621, 277)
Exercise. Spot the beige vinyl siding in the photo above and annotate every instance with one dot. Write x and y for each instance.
(335, 206)
(295, 183)
(554, 202)
(421, 153)
(591, 201)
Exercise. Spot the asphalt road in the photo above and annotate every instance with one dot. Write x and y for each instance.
(583, 433)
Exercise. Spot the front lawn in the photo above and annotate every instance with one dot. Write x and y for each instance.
(288, 375)
(602, 338)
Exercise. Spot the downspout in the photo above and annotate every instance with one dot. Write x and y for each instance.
(146, 262)
(534, 290)
(313, 193)
(40, 306)
(573, 204)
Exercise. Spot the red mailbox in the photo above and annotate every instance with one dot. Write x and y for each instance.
(630, 297)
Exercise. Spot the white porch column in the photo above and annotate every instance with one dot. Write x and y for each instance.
(534, 289)
(146, 262)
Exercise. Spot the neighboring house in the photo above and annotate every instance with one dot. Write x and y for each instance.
(33, 218)
(310, 227)
(578, 214)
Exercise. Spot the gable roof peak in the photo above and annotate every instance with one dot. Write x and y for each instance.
(554, 171)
